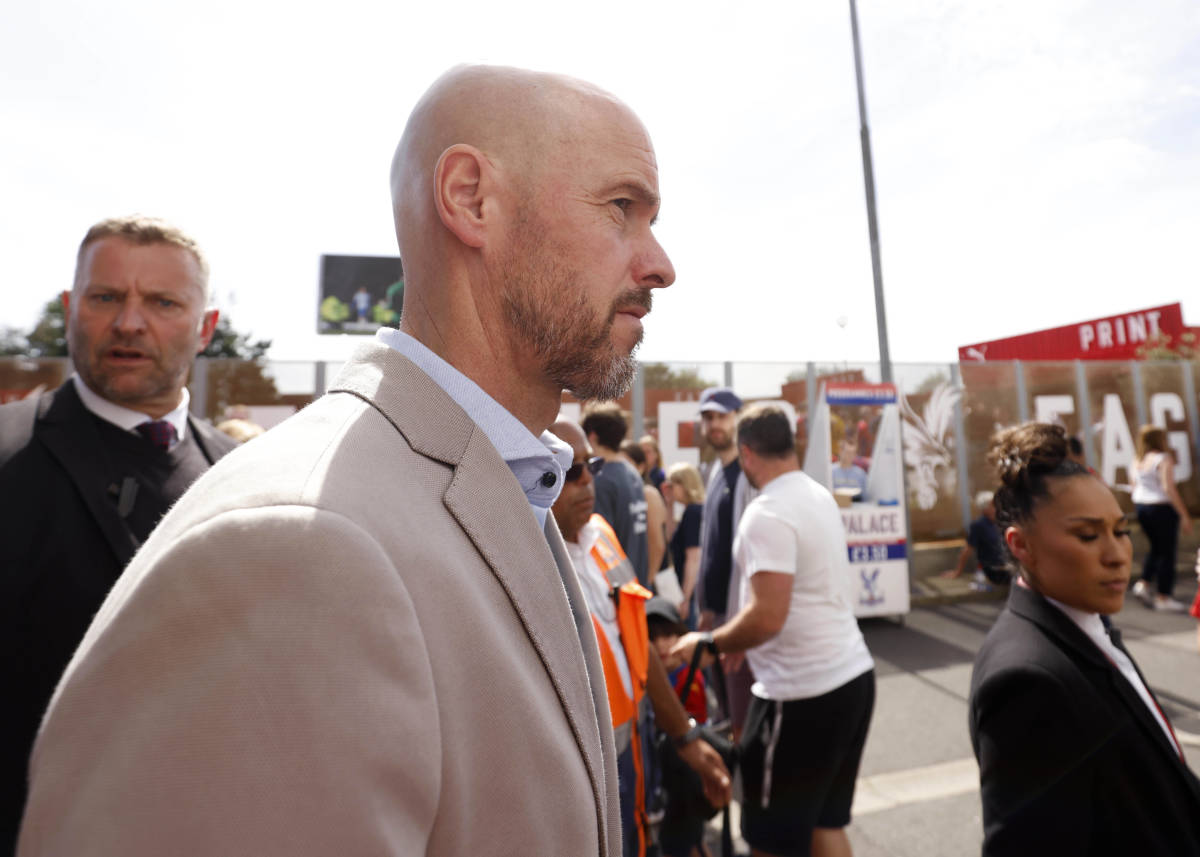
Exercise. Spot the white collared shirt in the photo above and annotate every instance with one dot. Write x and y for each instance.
(127, 419)
(599, 598)
(1091, 625)
(532, 460)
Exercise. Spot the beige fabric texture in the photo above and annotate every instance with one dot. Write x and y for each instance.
(348, 637)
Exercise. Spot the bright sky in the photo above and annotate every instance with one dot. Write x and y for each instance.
(1037, 162)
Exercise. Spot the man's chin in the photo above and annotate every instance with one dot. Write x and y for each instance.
(128, 390)
(602, 383)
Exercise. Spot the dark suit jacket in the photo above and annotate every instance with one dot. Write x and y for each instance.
(63, 547)
(1071, 761)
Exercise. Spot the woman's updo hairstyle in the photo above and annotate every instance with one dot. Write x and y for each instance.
(1026, 458)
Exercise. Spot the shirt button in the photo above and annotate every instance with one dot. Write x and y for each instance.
(548, 479)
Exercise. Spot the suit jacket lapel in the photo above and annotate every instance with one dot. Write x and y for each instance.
(1137, 706)
(212, 443)
(65, 427)
(489, 505)
(1052, 621)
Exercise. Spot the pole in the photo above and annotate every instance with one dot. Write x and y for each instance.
(885, 358)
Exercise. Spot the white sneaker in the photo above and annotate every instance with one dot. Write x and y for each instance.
(1169, 605)
(1142, 592)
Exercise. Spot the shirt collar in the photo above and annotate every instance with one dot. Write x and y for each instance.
(532, 460)
(1089, 623)
(126, 418)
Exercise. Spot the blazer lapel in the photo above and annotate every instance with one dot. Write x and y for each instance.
(1137, 706)
(489, 505)
(65, 428)
(1032, 606)
(1052, 621)
(213, 444)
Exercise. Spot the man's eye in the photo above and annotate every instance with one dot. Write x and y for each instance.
(622, 204)
(166, 303)
(104, 299)
(1087, 537)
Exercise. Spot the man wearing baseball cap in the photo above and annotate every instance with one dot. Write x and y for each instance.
(726, 496)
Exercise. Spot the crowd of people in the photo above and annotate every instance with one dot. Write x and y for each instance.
(430, 615)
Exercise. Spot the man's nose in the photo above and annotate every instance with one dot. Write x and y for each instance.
(131, 318)
(656, 270)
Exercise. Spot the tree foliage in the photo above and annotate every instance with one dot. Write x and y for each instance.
(227, 342)
(660, 376)
(1163, 346)
(47, 339)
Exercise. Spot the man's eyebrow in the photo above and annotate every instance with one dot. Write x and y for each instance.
(639, 192)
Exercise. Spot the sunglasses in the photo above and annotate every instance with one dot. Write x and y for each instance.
(594, 465)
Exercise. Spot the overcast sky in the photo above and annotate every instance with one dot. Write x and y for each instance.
(1036, 162)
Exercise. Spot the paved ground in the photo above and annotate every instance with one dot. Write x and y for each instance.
(918, 792)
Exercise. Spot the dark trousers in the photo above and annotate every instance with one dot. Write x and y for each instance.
(1160, 523)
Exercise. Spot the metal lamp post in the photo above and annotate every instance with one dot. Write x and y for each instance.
(885, 358)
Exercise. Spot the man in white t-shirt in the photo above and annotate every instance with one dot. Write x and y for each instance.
(815, 680)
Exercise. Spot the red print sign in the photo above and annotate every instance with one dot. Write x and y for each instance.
(1114, 337)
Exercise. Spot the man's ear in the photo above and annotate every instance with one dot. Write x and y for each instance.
(208, 325)
(66, 302)
(459, 186)
(1019, 545)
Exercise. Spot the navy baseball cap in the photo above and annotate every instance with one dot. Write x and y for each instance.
(720, 399)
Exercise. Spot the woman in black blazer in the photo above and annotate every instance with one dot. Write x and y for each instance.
(1075, 755)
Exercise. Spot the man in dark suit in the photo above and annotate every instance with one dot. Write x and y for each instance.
(87, 470)
(1096, 772)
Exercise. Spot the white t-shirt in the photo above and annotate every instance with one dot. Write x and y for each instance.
(794, 527)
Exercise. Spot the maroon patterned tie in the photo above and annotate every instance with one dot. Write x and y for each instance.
(159, 432)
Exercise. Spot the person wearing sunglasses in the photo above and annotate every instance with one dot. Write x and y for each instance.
(633, 674)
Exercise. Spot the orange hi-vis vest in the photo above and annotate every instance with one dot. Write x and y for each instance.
(630, 599)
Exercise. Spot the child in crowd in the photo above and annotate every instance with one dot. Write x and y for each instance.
(666, 626)
(680, 829)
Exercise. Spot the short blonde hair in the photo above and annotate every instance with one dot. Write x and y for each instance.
(240, 430)
(687, 477)
(142, 230)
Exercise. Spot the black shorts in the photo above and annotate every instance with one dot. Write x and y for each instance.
(815, 746)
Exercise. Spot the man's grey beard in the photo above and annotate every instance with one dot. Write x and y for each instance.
(574, 348)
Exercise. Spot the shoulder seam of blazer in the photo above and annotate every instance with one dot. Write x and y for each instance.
(362, 376)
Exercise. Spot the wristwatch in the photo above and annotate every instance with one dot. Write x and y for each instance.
(707, 641)
(690, 735)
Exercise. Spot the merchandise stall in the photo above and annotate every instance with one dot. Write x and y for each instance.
(854, 450)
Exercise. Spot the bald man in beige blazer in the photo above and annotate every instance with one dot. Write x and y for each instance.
(361, 633)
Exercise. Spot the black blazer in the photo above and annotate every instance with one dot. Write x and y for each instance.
(1071, 761)
(62, 547)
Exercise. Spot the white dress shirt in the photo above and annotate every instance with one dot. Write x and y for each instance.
(538, 463)
(1091, 625)
(129, 420)
(599, 597)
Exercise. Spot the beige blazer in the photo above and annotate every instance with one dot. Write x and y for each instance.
(349, 637)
